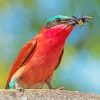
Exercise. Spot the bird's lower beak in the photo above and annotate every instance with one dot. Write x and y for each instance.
(87, 18)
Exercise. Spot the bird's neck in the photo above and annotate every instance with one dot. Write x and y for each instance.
(58, 34)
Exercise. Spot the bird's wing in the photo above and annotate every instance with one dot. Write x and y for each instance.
(22, 57)
(57, 65)
(60, 58)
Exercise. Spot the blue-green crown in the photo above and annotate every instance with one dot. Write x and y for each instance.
(58, 16)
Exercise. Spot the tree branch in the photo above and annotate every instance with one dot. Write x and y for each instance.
(45, 94)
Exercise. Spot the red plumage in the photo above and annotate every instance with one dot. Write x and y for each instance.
(39, 58)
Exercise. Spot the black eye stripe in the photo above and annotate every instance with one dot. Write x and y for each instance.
(58, 19)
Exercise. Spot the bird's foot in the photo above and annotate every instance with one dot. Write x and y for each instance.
(62, 88)
(20, 89)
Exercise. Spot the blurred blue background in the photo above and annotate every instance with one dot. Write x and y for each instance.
(20, 20)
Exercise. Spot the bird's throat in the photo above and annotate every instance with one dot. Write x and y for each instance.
(58, 34)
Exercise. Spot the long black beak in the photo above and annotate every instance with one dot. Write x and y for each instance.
(80, 21)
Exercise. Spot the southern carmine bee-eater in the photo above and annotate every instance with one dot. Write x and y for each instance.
(40, 57)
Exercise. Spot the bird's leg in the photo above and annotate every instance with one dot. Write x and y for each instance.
(48, 82)
(18, 87)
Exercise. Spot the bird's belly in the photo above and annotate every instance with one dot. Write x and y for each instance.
(40, 69)
(42, 65)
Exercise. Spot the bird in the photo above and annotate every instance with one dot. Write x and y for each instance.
(40, 57)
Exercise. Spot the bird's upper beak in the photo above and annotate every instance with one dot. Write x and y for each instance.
(80, 21)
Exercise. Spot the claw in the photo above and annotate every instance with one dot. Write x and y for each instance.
(62, 88)
(20, 89)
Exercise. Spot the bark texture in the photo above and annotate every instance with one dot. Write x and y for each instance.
(45, 94)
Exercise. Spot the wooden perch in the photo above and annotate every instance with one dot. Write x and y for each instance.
(45, 94)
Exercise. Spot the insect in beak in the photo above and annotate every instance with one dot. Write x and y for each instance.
(81, 20)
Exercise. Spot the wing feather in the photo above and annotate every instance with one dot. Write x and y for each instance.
(60, 58)
(22, 57)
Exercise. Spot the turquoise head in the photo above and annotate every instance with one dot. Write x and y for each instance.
(61, 19)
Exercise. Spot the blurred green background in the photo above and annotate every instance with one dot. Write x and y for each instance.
(20, 20)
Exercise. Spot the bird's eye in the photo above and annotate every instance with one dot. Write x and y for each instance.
(58, 19)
